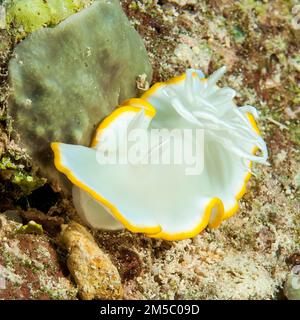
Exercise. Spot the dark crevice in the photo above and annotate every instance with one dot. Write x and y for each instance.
(41, 199)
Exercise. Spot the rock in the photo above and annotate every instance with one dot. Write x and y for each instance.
(50, 224)
(292, 284)
(13, 215)
(30, 267)
(94, 273)
(65, 79)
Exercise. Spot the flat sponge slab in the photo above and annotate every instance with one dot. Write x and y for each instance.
(65, 79)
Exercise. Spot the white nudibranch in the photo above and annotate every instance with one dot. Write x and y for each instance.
(159, 199)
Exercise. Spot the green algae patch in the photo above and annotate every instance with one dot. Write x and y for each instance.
(31, 228)
(65, 79)
(238, 34)
(26, 16)
(14, 173)
(27, 182)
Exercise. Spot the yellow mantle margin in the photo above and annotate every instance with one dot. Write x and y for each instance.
(135, 105)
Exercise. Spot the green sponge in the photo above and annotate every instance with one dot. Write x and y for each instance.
(65, 79)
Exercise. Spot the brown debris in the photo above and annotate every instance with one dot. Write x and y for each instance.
(52, 225)
(294, 259)
(128, 263)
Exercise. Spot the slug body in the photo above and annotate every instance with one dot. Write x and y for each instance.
(169, 201)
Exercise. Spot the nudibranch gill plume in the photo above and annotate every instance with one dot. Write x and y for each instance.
(160, 200)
